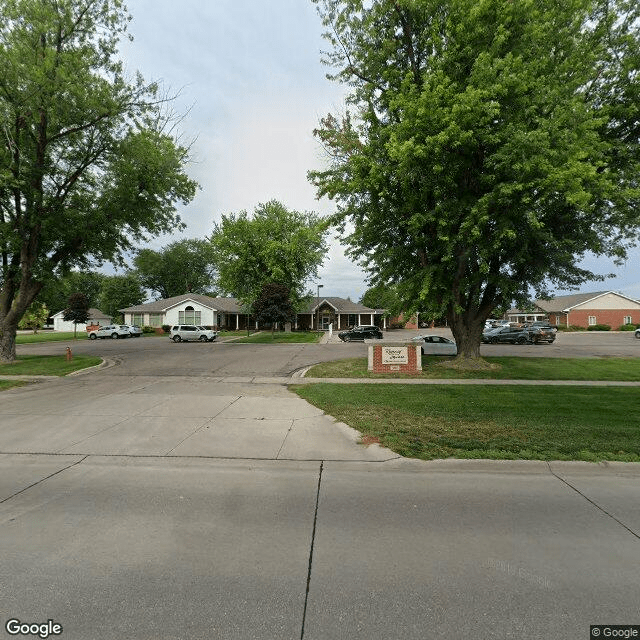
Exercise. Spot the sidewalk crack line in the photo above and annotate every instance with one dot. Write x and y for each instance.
(313, 541)
(55, 473)
(595, 504)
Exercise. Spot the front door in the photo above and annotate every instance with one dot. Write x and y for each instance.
(325, 321)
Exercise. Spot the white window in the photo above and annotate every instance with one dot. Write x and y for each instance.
(137, 319)
(592, 321)
(627, 320)
(189, 316)
(155, 319)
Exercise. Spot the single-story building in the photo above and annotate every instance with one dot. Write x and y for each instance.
(227, 313)
(338, 313)
(582, 310)
(95, 317)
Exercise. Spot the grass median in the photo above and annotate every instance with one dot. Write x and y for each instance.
(48, 365)
(497, 422)
(507, 368)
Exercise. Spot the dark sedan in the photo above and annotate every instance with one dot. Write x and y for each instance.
(365, 332)
(513, 335)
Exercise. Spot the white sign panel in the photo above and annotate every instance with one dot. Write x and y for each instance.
(395, 355)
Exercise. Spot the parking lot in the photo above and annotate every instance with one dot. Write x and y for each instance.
(159, 356)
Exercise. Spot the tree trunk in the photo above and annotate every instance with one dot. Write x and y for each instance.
(467, 333)
(8, 331)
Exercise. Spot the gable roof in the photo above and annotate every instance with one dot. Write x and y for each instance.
(229, 305)
(566, 303)
(94, 314)
(341, 305)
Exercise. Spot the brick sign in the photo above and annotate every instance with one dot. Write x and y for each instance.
(395, 355)
(398, 357)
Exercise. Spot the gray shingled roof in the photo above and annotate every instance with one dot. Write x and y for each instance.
(232, 305)
(341, 304)
(562, 303)
(94, 314)
(228, 305)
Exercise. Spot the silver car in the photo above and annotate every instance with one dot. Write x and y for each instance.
(187, 332)
(110, 331)
(436, 345)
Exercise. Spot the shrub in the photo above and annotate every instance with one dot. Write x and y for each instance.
(148, 329)
(166, 328)
(599, 327)
(627, 327)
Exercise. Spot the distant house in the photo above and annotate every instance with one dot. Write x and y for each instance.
(188, 308)
(583, 310)
(95, 317)
(227, 313)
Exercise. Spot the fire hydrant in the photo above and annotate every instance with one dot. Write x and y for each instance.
(69, 354)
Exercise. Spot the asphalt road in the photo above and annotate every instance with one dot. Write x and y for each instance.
(159, 356)
(163, 499)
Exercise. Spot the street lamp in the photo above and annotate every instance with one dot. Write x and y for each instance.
(318, 307)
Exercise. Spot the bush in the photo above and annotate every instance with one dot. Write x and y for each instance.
(627, 327)
(599, 327)
(166, 328)
(148, 329)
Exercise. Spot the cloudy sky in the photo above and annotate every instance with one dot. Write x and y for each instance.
(252, 89)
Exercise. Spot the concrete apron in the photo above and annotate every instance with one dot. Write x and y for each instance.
(175, 417)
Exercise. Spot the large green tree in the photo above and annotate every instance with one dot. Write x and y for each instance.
(56, 291)
(488, 145)
(86, 168)
(120, 291)
(274, 245)
(184, 266)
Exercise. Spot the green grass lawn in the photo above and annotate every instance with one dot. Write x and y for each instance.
(510, 368)
(48, 365)
(498, 422)
(7, 384)
(281, 337)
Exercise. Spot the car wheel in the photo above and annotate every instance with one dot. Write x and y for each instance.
(521, 340)
(493, 341)
(114, 336)
(92, 336)
(176, 338)
(203, 339)
(347, 338)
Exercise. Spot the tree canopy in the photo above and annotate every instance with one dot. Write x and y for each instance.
(274, 245)
(185, 266)
(87, 169)
(120, 291)
(488, 145)
(273, 305)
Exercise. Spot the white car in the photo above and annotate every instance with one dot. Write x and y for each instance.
(134, 330)
(436, 346)
(186, 332)
(110, 331)
(636, 333)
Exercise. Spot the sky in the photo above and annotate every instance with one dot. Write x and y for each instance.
(251, 90)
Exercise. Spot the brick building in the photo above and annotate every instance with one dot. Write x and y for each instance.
(583, 310)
